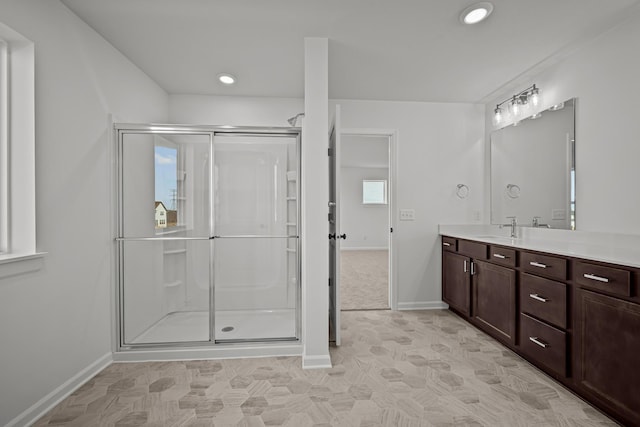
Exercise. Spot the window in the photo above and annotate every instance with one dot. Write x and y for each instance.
(374, 192)
(166, 183)
(4, 145)
(17, 150)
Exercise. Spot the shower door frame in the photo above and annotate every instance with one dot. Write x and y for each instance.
(120, 129)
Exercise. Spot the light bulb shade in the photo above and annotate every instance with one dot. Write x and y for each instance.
(534, 97)
(498, 117)
(515, 107)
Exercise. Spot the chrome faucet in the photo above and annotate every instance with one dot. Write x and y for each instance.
(513, 224)
(535, 222)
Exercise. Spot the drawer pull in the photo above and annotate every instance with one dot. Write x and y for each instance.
(536, 341)
(597, 278)
(499, 256)
(446, 244)
(537, 264)
(538, 298)
(464, 266)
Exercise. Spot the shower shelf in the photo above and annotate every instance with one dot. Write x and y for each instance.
(291, 250)
(292, 176)
(175, 252)
(291, 199)
(173, 284)
(291, 224)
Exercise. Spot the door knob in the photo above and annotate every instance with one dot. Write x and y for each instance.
(332, 236)
(332, 204)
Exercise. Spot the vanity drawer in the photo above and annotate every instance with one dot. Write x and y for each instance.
(502, 256)
(544, 343)
(544, 299)
(448, 244)
(473, 249)
(544, 265)
(603, 278)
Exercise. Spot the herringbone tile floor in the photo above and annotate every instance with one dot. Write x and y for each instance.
(419, 368)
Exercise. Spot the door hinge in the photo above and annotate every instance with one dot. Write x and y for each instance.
(329, 152)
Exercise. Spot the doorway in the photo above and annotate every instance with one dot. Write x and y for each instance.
(365, 217)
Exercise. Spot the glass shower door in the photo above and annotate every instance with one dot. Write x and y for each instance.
(164, 229)
(256, 248)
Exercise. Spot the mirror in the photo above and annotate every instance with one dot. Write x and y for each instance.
(533, 170)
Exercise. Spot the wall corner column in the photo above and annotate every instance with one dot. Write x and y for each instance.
(315, 196)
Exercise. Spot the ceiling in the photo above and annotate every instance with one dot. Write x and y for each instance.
(406, 50)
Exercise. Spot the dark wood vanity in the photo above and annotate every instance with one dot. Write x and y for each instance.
(577, 320)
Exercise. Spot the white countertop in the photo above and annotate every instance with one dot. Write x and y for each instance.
(619, 249)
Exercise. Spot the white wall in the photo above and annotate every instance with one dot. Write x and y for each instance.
(57, 321)
(603, 75)
(438, 146)
(233, 110)
(367, 226)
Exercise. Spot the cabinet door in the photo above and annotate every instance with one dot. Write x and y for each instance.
(494, 300)
(456, 281)
(607, 352)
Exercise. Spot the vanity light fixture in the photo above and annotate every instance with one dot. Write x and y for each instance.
(476, 12)
(519, 106)
(226, 78)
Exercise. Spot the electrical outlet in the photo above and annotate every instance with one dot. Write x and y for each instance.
(407, 214)
(476, 215)
(558, 214)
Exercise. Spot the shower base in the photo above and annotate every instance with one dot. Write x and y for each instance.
(192, 326)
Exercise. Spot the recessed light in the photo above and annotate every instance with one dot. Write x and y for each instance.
(476, 13)
(226, 78)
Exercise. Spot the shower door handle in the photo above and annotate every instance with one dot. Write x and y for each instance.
(332, 236)
(342, 236)
(332, 204)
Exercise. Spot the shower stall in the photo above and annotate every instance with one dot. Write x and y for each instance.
(208, 247)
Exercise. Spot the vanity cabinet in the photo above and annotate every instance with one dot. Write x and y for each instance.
(458, 267)
(456, 281)
(577, 320)
(494, 300)
(543, 312)
(607, 341)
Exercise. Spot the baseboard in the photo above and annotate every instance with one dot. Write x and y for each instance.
(221, 351)
(422, 305)
(316, 362)
(367, 248)
(37, 410)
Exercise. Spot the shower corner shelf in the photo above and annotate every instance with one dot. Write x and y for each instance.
(173, 284)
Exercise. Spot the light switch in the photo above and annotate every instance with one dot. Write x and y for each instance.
(407, 214)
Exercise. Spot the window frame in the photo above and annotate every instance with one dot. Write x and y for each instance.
(18, 252)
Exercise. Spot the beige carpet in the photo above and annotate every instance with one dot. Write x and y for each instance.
(364, 280)
(409, 369)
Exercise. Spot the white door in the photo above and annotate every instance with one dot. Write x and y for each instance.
(334, 228)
